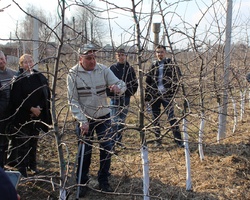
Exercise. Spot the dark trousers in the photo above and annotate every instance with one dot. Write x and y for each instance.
(3, 150)
(25, 143)
(156, 110)
(101, 126)
(3, 145)
(12, 153)
(119, 111)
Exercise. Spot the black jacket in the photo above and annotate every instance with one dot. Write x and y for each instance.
(3, 102)
(7, 190)
(171, 76)
(5, 79)
(126, 73)
(30, 91)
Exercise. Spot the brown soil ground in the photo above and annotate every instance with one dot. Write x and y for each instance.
(223, 174)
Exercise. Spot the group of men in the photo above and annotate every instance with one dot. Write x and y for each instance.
(87, 84)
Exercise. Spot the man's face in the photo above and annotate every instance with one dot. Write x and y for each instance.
(160, 53)
(121, 58)
(2, 61)
(88, 61)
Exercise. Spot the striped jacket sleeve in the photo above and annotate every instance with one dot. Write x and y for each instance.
(73, 98)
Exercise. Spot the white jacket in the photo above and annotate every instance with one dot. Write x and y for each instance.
(87, 91)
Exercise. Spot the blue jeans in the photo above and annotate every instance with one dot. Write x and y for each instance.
(119, 111)
(156, 110)
(101, 126)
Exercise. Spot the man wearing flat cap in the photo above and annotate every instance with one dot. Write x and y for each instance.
(86, 83)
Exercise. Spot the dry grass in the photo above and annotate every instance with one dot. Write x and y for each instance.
(224, 174)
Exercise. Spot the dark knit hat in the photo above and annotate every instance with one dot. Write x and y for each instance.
(120, 50)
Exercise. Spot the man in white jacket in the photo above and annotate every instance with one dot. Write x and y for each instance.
(87, 82)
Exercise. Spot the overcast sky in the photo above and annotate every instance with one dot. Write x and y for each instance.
(191, 11)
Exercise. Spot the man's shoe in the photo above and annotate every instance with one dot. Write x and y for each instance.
(34, 170)
(83, 191)
(180, 144)
(105, 187)
(23, 171)
(12, 164)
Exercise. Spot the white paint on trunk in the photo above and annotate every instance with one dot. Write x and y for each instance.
(187, 156)
(145, 167)
(200, 139)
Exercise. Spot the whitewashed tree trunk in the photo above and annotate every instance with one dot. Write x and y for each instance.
(145, 167)
(63, 194)
(227, 51)
(144, 149)
(187, 156)
(235, 114)
(220, 118)
(242, 104)
(200, 139)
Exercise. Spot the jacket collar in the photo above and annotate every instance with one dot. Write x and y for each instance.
(81, 69)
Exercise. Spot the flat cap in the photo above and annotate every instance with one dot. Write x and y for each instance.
(87, 48)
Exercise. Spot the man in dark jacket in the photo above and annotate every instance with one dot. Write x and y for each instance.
(6, 75)
(119, 104)
(162, 83)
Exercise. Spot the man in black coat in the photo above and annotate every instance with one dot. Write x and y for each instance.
(162, 83)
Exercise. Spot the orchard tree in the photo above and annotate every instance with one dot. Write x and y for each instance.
(198, 51)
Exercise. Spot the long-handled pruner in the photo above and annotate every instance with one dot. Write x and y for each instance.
(81, 149)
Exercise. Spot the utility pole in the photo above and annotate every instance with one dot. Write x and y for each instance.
(74, 35)
(227, 51)
(164, 38)
(35, 43)
(156, 31)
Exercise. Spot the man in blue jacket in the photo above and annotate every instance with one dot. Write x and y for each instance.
(119, 104)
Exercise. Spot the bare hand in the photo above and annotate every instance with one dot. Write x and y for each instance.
(84, 128)
(115, 89)
(36, 111)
